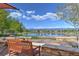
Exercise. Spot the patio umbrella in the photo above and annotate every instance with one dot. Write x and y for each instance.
(7, 6)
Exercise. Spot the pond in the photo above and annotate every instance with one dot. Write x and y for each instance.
(48, 35)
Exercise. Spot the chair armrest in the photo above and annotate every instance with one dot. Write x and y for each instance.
(38, 47)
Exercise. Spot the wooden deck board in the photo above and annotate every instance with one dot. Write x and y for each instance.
(46, 51)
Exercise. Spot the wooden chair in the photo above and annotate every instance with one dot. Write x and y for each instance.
(13, 48)
(22, 46)
(28, 48)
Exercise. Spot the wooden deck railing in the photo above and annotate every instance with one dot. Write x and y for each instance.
(52, 50)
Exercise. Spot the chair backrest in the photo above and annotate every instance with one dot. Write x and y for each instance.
(12, 44)
(27, 44)
(21, 46)
(27, 47)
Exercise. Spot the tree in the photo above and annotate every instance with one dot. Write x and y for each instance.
(70, 13)
(9, 24)
(3, 19)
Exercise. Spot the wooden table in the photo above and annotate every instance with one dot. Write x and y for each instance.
(38, 44)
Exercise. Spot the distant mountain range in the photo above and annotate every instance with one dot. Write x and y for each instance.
(54, 29)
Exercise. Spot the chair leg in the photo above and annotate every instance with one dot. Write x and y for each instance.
(39, 54)
(11, 53)
(39, 50)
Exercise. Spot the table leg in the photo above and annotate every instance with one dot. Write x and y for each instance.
(39, 50)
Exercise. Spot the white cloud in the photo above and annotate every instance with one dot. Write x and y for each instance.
(37, 17)
(15, 14)
(27, 18)
(45, 27)
(51, 16)
(30, 12)
(30, 15)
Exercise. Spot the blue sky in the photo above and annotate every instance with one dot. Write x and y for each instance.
(38, 16)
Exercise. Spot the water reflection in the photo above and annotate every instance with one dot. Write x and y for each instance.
(34, 34)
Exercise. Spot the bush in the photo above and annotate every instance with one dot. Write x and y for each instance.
(34, 37)
(1, 35)
(19, 35)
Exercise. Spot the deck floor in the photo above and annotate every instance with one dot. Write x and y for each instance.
(5, 53)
